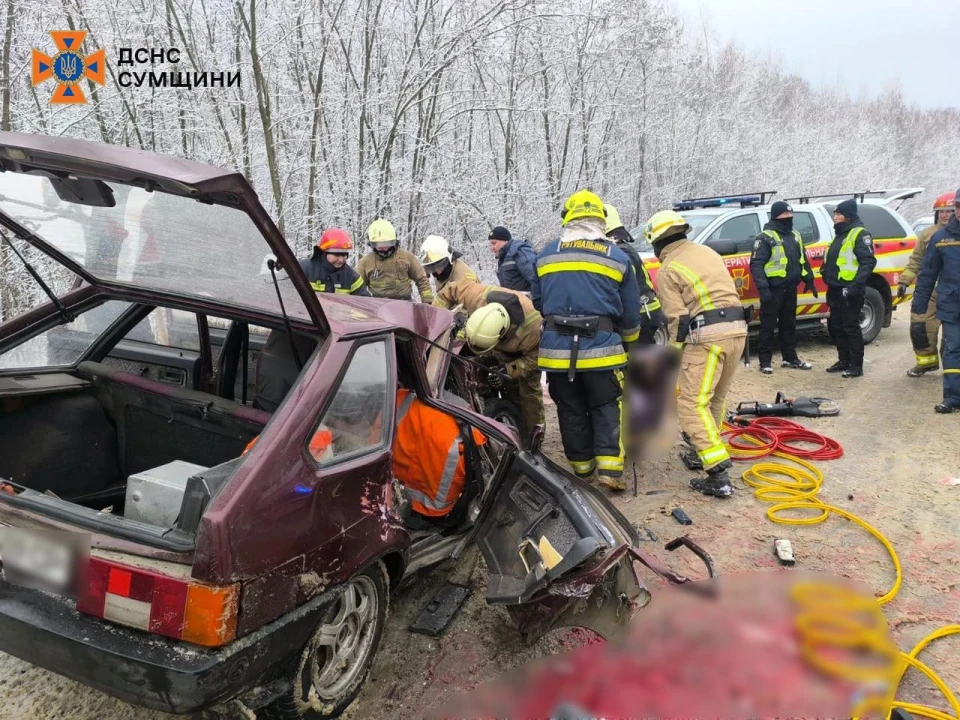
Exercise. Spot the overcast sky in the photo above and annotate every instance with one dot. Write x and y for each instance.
(863, 45)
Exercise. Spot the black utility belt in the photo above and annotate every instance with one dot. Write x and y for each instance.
(706, 318)
(584, 326)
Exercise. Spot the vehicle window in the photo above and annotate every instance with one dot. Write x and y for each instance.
(64, 344)
(804, 223)
(878, 220)
(167, 327)
(743, 229)
(353, 424)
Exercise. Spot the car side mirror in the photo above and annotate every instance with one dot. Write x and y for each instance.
(723, 246)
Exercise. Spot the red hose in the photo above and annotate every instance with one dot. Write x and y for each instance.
(766, 435)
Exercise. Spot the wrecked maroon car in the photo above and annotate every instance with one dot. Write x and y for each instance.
(150, 548)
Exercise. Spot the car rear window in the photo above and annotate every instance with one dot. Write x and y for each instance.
(878, 220)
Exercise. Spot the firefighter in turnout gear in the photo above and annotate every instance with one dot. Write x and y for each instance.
(391, 271)
(941, 269)
(587, 291)
(505, 323)
(327, 268)
(925, 327)
(705, 320)
(846, 267)
(778, 263)
(446, 265)
(651, 314)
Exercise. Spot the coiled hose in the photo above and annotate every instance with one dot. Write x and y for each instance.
(830, 618)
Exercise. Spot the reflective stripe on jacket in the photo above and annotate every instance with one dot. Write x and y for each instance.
(584, 274)
(428, 456)
(847, 262)
(324, 277)
(392, 277)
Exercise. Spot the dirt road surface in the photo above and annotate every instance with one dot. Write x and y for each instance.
(898, 456)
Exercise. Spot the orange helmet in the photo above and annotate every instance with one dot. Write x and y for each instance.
(335, 240)
(944, 202)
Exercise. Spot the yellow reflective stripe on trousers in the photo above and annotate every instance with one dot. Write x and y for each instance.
(698, 286)
(583, 363)
(924, 360)
(631, 337)
(952, 371)
(582, 467)
(576, 266)
(716, 449)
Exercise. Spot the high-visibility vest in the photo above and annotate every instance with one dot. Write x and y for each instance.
(776, 266)
(428, 456)
(321, 444)
(847, 263)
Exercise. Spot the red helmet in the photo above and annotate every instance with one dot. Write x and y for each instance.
(944, 202)
(335, 240)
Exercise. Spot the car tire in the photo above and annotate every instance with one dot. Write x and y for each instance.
(660, 336)
(871, 317)
(504, 412)
(336, 659)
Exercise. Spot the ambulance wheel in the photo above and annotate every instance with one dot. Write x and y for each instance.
(335, 662)
(871, 317)
(505, 413)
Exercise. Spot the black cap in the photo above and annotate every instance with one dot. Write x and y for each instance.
(848, 208)
(778, 209)
(500, 233)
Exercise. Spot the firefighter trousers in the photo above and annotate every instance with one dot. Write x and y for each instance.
(951, 363)
(706, 371)
(923, 335)
(590, 413)
(527, 394)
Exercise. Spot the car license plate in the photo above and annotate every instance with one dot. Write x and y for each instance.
(46, 560)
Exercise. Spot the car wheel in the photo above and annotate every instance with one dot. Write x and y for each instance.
(660, 336)
(504, 412)
(337, 658)
(871, 317)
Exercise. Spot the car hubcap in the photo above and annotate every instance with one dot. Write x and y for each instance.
(345, 643)
(866, 317)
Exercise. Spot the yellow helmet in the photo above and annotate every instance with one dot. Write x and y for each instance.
(663, 225)
(582, 204)
(434, 249)
(486, 326)
(381, 233)
(613, 218)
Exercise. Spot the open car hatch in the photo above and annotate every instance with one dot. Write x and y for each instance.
(137, 221)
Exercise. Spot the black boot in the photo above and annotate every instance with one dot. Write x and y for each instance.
(838, 366)
(717, 481)
(853, 371)
(946, 408)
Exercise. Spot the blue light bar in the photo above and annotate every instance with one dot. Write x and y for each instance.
(740, 200)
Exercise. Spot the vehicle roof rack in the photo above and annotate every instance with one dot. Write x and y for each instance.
(743, 200)
(858, 196)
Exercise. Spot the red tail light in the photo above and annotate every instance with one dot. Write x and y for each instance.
(185, 610)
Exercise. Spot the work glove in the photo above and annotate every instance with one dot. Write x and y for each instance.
(494, 379)
(513, 370)
(901, 291)
(459, 321)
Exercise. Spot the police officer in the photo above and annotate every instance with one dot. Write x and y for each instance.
(505, 323)
(327, 268)
(705, 320)
(925, 327)
(516, 259)
(848, 264)
(446, 265)
(587, 291)
(391, 271)
(941, 268)
(778, 263)
(651, 314)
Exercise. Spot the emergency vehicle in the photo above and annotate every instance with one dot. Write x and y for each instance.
(730, 225)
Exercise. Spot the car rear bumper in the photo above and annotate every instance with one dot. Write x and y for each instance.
(143, 669)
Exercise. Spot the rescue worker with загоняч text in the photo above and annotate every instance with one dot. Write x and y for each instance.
(705, 320)
(847, 266)
(587, 291)
(941, 269)
(327, 268)
(925, 327)
(777, 264)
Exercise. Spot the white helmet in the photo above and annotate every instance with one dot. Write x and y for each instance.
(486, 326)
(435, 249)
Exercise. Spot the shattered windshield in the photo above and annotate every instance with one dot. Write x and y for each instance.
(155, 241)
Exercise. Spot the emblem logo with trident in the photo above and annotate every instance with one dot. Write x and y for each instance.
(68, 67)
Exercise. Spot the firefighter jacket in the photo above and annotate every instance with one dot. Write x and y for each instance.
(694, 280)
(391, 277)
(912, 271)
(941, 269)
(428, 456)
(583, 274)
(518, 349)
(456, 272)
(850, 259)
(650, 308)
(516, 265)
(779, 258)
(324, 277)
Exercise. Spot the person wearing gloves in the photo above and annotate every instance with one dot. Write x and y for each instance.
(778, 264)
(848, 264)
